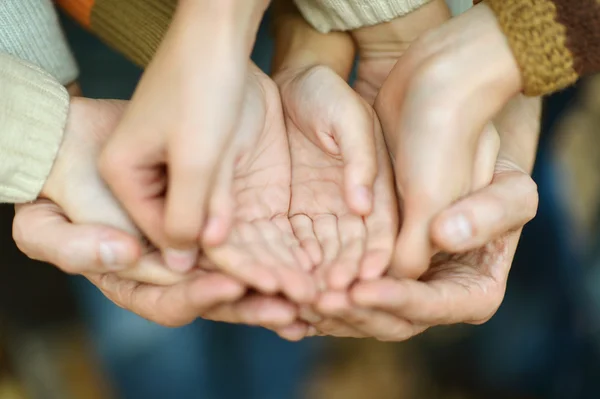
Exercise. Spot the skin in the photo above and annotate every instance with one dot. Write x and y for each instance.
(78, 217)
(179, 126)
(448, 85)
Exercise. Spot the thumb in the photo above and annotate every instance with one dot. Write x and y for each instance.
(356, 138)
(431, 173)
(43, 233)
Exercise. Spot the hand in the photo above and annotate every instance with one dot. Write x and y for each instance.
(334, 138)
(380, 46)
(90, 234)
(448, 85)
(178, 127)
(467, 287)
(262, 250)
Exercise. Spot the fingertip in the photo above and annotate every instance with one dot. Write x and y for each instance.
(411, 256)
(181, 261)
(294, 332)
(222, 287)
(360, 200)
(216, 231)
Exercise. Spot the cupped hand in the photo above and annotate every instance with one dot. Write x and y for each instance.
(468, 285)
(337, 151)
(165, 163)
(85, 231)
(261, 249)
(435, 108)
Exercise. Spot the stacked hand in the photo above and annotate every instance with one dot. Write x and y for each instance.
(303, 209)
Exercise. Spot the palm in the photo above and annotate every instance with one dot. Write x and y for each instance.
(345, 245)
(261, 249)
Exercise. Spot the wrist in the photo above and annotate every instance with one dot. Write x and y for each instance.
(299, 47)
(235, 21)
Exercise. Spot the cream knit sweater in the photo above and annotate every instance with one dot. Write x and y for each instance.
(328, 15)
(35, 62)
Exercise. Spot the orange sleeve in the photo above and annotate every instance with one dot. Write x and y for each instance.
(80, 10)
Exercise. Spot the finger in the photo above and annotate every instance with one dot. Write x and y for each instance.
(126, 165)
(172, 306)
(371, 323)
(191, 179)
(151, 269)
(344, 270)
(303, 230)
(326, 230)
(294, 332)
(431, 303)
(237, 258)
(507, 204)
(382, 224)
(291, 241)
(295, 282)
(42, 232)
(256, 310)
(221, 204)
(356, 139)
(485, 158)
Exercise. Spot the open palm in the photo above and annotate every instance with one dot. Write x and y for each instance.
(320, 108)
(261, 250)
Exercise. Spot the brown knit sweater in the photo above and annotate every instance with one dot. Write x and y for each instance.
(554, 41)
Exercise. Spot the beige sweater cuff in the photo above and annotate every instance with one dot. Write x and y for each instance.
(328, 15)
(33, 113)
(30, 30)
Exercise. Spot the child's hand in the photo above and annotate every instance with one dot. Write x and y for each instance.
(343, 206)
(165, 163)
(380, 46)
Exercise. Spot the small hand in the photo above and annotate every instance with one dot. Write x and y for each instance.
(468, 286)
(179, 125)
(343, 208)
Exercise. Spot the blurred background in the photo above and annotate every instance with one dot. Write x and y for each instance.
(61, 339)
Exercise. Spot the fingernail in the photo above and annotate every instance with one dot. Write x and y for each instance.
(180, 260)
(312, 331)
(457, 229)
(363, 197)
(115, 255)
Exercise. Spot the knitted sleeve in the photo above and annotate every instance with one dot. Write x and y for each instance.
(33, 113)
(328, 15)
(133, 27)
(31, 31)
(554, 41)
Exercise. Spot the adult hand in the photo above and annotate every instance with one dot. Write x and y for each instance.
(433, 107)
(262, 250)
(468, 286)
(90, 234)
(165, 162)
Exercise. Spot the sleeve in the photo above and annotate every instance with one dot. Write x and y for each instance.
(328, 15)
(554, 41)
(133, 27)
(30, 30)
(33, 113)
